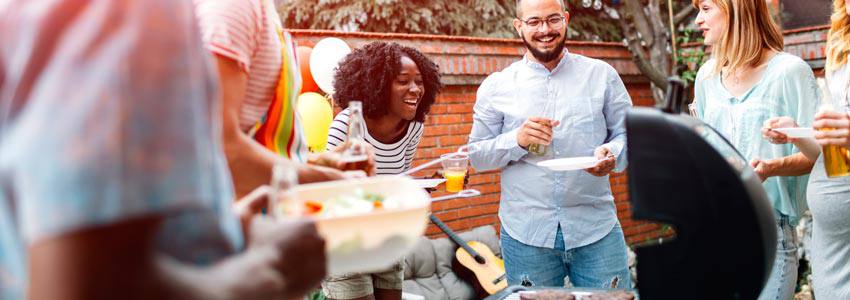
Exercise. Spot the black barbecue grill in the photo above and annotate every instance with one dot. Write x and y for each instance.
(683, 173)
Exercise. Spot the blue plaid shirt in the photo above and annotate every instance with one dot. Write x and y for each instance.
(106, 116)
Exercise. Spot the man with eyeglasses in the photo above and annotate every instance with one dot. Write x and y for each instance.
(555, 224)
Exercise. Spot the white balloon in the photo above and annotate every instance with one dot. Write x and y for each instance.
(324, 60)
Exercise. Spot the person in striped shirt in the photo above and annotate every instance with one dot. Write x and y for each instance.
(397, 86)
(247, 40)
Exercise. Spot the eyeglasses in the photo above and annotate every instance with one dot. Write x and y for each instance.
(554, 22)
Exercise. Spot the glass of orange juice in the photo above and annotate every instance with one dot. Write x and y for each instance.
(454, 169)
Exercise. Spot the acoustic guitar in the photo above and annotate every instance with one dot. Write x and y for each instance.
(489, 270)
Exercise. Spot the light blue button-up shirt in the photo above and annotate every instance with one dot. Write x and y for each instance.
(589, 99)
(787, 88)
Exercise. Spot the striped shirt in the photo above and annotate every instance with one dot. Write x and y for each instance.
(245, 31)
(390, 159)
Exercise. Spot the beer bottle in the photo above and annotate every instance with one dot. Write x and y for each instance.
(355, 157)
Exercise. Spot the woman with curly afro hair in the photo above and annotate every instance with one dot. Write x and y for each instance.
(397, 86)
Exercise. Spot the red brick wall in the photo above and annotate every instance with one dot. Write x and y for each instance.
(809, 44)
(464, 62)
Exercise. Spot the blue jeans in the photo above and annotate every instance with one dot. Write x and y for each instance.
(591, 266)
(783, 277)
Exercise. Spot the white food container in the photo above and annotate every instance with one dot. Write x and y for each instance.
(374, 240)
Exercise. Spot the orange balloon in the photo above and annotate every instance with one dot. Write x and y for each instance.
(307, 84)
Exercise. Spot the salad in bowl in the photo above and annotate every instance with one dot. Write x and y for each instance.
(368, 224)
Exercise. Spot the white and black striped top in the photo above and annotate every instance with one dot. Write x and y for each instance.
(389, 158)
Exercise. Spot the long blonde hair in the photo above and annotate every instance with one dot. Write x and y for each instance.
(838, 42)
(750, 31)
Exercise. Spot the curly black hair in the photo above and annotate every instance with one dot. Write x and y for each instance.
(367, 73)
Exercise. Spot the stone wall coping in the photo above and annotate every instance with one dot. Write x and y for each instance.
(806, 29)
(467, 60)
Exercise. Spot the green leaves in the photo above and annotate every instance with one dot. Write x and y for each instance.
(690, 57)
(485, 18)
(482, 18)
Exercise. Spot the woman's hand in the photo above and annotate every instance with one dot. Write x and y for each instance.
(762, 168)
(776, 137)
(833, 128)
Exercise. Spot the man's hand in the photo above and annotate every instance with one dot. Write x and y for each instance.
(606, 164)
(246, 208)
(333, 158)
(286, 259)
(833, 128)
(288, 255)
(776, 137)
(536, 130)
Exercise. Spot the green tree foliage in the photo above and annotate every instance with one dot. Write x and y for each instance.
(643, 25)
(481, 18)
(690, 59)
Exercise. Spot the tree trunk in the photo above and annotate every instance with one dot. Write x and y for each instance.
(648, 40)
(660, 51)
(684, 14)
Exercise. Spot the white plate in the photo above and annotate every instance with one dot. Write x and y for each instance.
(429, 183)
(570, 163)
(375, 240)
(796, 132)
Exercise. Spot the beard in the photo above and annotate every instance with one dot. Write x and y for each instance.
(546, 56)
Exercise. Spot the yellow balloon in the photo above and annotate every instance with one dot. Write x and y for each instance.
(316, 117)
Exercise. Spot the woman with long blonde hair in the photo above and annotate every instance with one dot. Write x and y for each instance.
(829, 198)
(748, 81)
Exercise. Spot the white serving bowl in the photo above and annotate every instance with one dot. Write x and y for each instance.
(374, 240)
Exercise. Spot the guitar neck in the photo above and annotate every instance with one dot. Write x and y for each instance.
(454, 237)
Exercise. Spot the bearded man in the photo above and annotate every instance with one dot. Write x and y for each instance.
(554, 104)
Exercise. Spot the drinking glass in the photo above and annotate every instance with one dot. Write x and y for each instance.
(836, 159)
(455, 166)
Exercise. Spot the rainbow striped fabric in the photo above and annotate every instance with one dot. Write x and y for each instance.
(280, 130)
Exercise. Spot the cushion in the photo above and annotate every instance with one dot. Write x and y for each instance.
(419, 263)
(428, 268)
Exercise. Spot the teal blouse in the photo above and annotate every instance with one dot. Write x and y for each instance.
(787, 88)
